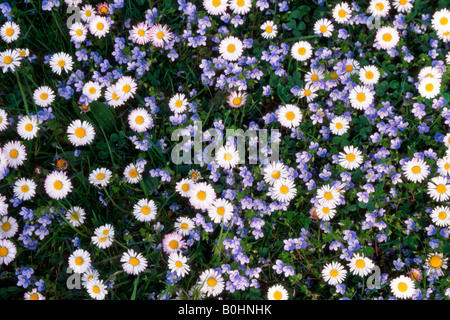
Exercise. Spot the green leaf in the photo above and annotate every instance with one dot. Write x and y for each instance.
(104, 115)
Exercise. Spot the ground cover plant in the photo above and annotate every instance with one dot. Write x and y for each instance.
(224, 149)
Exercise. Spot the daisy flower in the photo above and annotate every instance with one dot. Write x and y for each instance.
(339, 125)
(277, 292)
(10, 31)
(76, 216)
(237, 99)
(43, 96)
(92, 90)
(334, 273)
(429, 87)
(351, 158)
(441, 216)
(184, 225)
(126, 87)
(430, 72)
(160, 35)
(133, 173)
(178, 103)
(361, 97)
(387, 37)
(227, 157)
(178, 263)
(9, 60)
(439, 189)
(274, 172)
(270, 30)
(360, 265)
(140, 33)
(103, 236)
(78, 32)
(284, 190)
(112, 96)
(57, 185)
(202, 196)
(80, 133)
(416, 170)
(403, 6)
(133, 262)
(435, 263)
(402, 287)
(96, 289)
(342, 12)
(194, 175)
(7, 251)
(379, 8)
(328, 195)
(89, 274)
(103, 8)
(241, 7)
(215, 7)
(173, 242)
(324, 28)
(325, 212)
(27, 127)
(3, 120)
(231, 48)
(99, 26)
(24, 189)
(369, 75)
(15, 153)
(100, 177)
(145, 210)
(183, 187)
(314, 75)
(80, 261)
(301, 51)
(87, 12)
(221, 211)
(140, 120)
(211, 282)
(33, 295)
(8, 227)
(60, 62)
(441, 20)
(415, 274)
(309, 91)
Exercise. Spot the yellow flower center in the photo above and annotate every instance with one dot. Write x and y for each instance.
(442, 215)
(435, 262)
(277, 295)
(301, 51)
(237, 101)
(34, 296)
(339, 126)
(173, 244)
(334, 273)
(3, 252)
(14, 153)
(80, 133)
(194, 175)
(403, 2)
(416, 170)
(447, 166)
(6, 226)
(96, 289)
(216, 3)
(360, 263)
(269, 29)
(75, 216)
(231, 48)
(134, 261)
(429, 87)
(141, 33)
(342, 13)
(133, 173)
(402, 287)
(227, 157)
(323, 29)
(201, 195)
(361, 97)
(379, 6)
(284, 189)
(369, 75)
(212, 282)
(315, 77)
(24, 188)
(328, 196)
(29, 127)
(387, 37)
(9, 32)
(221, 211)
(61, 63)
(276, 174)
(88, 13)
(307, 92)
(178, 264)
(145, 210)
(7, 59)
(185, 187)
(441, 189)
(104, 10)
(79, 32)
(79, 261)
(160, 35)
(326, 210)
(184, 226)
(240, 3)
(178, 104)
(443, 21)
(350, 157)
(44, 96)
(290, 115)
(349, 68)
(139, 120)
(57, 185)
(100, 26)
(100, 176)
(115, 96)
